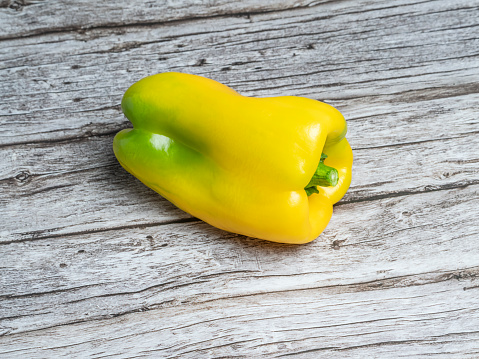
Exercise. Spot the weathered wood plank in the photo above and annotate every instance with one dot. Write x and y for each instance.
(27, 18)
(407, 119)
(295, 52)
(95, 264)
(436, 319)
(409, 151)
(97, 194)
(404, 241)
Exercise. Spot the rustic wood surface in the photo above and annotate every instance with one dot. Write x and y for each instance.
(94, 264)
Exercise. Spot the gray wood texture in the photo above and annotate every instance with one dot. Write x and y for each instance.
(94, 264)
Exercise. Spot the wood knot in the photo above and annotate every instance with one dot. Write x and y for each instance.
(89, 130)
(337, 243)
(17, 5)
(23, 177)
(200, 62)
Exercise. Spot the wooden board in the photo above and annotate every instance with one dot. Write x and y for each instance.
(94, 264)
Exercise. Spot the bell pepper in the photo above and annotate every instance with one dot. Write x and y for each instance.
(268, 168)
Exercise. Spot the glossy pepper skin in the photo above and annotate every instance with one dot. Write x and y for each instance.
(238, 163)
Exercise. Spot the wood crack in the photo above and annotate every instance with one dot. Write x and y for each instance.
(39, 294)
(188, 19)
(85, 136)
(35, 236)
(411, 143)
(381, 284)
(198, 279)
(422, 95)
(153, 23)
(427, 189)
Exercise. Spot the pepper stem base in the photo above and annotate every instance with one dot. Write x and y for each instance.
(324, 176)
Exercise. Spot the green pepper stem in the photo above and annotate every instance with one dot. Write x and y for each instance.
(324, 176)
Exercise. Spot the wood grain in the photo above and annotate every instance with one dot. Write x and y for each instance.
(34, 18)
(341, 323)
(111, 272)
(267, 55)
(97, 194)
(94, 264)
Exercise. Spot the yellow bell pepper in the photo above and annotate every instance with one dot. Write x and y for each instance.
(269, 168)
